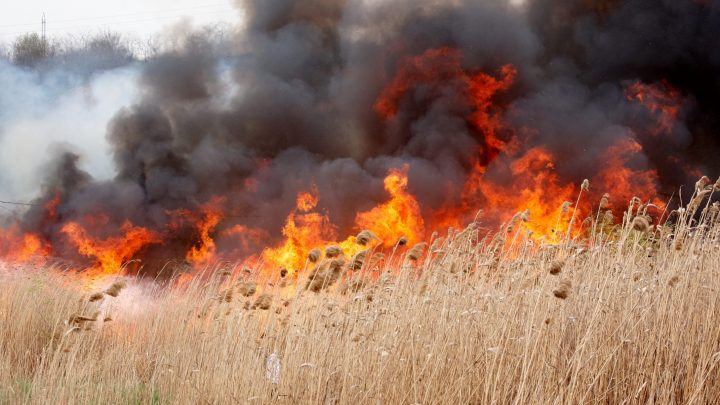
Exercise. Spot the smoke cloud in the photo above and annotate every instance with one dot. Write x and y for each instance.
(295, 105)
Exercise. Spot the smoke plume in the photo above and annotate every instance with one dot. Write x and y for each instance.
(481, 104)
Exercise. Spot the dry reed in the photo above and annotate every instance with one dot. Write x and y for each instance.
(632, 323)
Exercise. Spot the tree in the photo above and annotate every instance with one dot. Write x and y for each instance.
(29, 50)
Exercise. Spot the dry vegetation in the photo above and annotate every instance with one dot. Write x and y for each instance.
(627, 315)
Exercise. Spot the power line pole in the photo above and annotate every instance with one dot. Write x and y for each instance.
(44, 42)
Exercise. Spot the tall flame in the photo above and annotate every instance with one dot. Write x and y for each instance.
(203, 221)
(400, 216)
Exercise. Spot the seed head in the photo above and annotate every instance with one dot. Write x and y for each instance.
(402, 241)
(511, 226)
(480, 213)
(563, 289)
(263, 301)
(698, 199)
(700, 185)
(314, 255)
(556, 266)
(226, 295)
(565, 207)
(336, 271)
(608, 217)
(247, 288)
(96, 297)
(416, 251)
(365, 237)
(317, 283)
(585, 185)
(641, 224)
(333, 251)
(115, 288)
(358, 260)
(604, 201)
(714, 208)
(635, 201)
(525, 217)
(283, 272)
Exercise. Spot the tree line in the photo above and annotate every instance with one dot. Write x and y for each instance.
(100, 50)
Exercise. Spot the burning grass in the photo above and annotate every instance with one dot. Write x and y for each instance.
(612, 314)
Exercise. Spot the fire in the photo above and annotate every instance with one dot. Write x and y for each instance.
(52, 205)
(663, 101)
(622, 182)
(203, 222)
(534, 186)
(443, 66)
(398, 217)
(482, 89)
(22, 245)
(505, 175)
(308, 200)
(111, 253)
(434, 66)
(304, 230)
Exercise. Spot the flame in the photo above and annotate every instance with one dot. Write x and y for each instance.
(624, 183)
(308, 200)
(304, 230)
(482, 89)
(203, 222)
(444, 66)
(111, 253)
(22, 245)
(506, 176)
(52, 205)
(398, 217)
(663, 101)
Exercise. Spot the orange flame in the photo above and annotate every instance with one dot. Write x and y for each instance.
(622, 182)
(529, 181)
(304, 232)
(398, 217)
(663, 101)
(203, 222)
(111, 253)
(22, 245)
(444, 65)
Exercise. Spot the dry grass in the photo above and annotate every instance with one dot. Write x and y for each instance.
(471, 324)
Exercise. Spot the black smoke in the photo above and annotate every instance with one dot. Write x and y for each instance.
(293, 106)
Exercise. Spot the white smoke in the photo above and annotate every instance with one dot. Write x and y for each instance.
(37, 113)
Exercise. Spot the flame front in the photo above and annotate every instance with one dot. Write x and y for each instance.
(506, 174)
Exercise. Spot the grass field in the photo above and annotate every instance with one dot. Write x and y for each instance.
(631, 315)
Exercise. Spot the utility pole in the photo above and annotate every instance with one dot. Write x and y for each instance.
(44, 41)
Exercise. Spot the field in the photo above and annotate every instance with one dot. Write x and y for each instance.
(619, 314)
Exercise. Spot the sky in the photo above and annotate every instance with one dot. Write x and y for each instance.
(138, 17)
